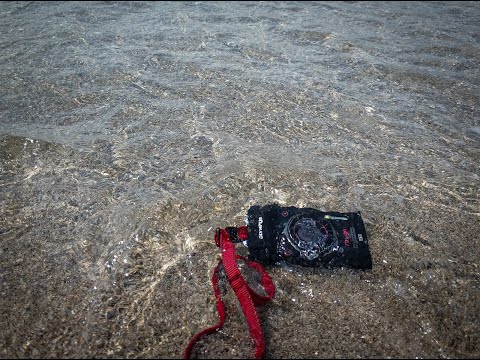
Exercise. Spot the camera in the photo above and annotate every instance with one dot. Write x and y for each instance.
(307, 237)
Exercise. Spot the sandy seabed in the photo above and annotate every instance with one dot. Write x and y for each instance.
(129, 131)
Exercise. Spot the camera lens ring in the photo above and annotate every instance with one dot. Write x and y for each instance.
(320, 239)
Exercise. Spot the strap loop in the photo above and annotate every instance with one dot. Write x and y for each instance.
(246, 296)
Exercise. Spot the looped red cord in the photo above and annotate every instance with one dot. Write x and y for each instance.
(247, 297)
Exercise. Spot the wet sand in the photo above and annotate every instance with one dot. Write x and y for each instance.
(130, 131)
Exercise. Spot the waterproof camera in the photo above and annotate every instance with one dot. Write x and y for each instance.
(307, 237)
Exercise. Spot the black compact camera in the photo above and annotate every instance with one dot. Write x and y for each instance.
(307, 237)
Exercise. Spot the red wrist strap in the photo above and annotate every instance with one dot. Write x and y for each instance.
(247, 297)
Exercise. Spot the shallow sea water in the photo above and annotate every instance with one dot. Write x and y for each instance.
(129, 131)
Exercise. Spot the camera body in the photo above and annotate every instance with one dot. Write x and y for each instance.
(307, 237)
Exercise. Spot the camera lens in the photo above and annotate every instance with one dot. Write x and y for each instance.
(308, 233)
